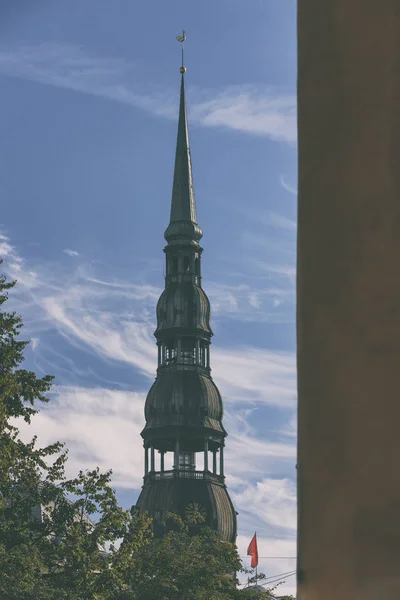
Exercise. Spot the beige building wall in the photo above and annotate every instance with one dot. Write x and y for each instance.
(349, 299)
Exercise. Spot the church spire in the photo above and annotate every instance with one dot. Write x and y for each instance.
(184, 436)
(183, 221)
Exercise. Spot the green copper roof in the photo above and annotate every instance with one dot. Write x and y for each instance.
(183, 220)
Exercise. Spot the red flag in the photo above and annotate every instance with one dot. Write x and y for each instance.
(253, 551)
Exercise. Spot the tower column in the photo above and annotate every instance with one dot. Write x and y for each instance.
(152, 459)
(176, 455)
(214, 462)
(179, 350)
(221, 460)
(205, 455)
(162, 454)
(146, 459)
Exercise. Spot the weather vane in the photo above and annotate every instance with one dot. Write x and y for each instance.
(182, 39)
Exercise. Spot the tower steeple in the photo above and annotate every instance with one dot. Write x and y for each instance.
(183, 409)
(183, 221)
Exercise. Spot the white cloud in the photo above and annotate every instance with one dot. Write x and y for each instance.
(251, 303)
(34, 343)
(255, 375)
(271, 503)
(116, 320)
(268, 506)
(276, 569)
(251, 110)
(71, 252)
(16, 265)
(82, 315)
(248, 109)
(286, 270)
(6, 248)
(290, 428)
(280, 222)
(101, 426)
(289, 188)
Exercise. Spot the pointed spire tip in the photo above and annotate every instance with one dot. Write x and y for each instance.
(183, 221)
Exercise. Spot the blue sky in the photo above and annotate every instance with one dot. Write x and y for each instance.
(87, 139)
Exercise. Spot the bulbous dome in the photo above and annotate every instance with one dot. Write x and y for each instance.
(177, 495)
(186, 230)
(183, 305)
(184, 398)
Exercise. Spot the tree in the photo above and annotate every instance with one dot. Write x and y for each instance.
(56, 553)
(54, 531)
(180, 566)
(21, 465)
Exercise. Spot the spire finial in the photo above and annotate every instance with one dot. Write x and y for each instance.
(182, 39)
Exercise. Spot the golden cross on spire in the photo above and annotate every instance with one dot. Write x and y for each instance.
(182, 39)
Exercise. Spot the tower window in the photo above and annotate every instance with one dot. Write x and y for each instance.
(202, 354)
(173, 265)
(187, 461)
(186, 265)
(188, 351)
(196, 266)
(170, 353)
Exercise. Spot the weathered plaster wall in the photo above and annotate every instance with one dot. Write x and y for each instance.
(349, 299)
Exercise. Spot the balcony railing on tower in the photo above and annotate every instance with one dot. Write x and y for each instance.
(177, 474)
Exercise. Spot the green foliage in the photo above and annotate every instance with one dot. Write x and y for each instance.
(50, 548)
(180, 566)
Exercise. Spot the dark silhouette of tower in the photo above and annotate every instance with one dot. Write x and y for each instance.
(183, 408)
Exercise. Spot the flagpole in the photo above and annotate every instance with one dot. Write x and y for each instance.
(255, 533)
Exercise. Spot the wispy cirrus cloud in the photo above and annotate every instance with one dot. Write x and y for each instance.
(286, 186)
(71, 252)
(256, 376)
(252, 110)
(101, 423)
(272, 258)
(115, 321)
(279, 221)
(101, 428)
(249, 109)
(270, 503)
(251, 303)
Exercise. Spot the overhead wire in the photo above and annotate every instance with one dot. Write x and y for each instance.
(276, 578)
(287, 574)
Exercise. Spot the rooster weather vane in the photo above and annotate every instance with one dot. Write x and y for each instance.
(182, 39)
